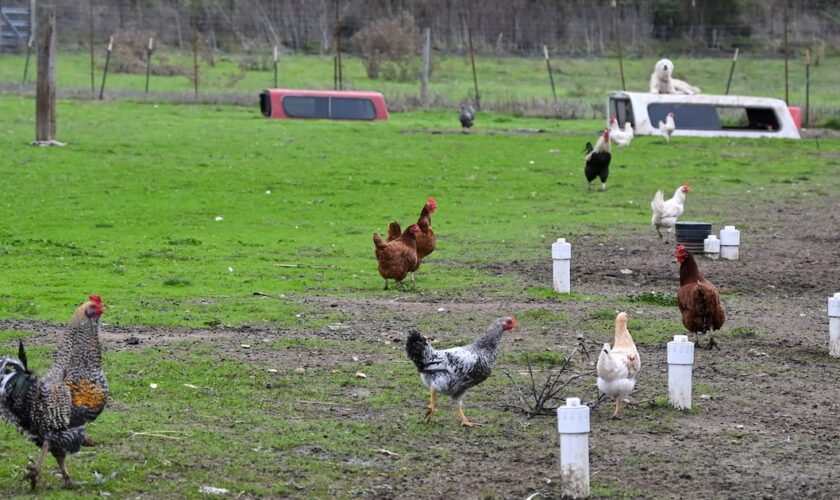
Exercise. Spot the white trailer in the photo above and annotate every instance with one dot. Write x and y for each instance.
(704, 115)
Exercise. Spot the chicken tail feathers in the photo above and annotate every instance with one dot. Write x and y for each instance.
(658, 206)
(377, 241)
(394, 231)
(418, 350)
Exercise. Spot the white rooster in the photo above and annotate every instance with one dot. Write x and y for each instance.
(667, 127)
(618, 366)
(666, 213)
(621, 138)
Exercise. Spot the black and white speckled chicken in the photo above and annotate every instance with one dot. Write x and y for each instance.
(51, 410)
(453, 371)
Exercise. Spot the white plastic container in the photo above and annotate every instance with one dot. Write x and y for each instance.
(711, 247)
(561, 254)
(730, 243)
(680, 364)
(573, 426)
(834, 325)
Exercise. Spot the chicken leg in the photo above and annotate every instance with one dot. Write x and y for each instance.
(616, 415)
(62, 464)
(463, 418)
(432, 408)
(33, 469)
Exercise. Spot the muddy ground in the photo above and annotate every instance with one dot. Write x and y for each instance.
(766, 422)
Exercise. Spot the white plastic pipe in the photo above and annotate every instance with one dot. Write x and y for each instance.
(730, 242)
(561, 254)
(680, 364)
(573, 426)
(711, 247)
(834, 325)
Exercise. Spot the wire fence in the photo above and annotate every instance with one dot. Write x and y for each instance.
(221, 50)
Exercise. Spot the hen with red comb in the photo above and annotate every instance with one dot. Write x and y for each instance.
(425, 240)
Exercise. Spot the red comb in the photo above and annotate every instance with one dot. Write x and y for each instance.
(431, 201)
(96, 298)
(687, 187)
(681, 248)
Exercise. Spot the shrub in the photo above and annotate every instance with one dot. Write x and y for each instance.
(390, 48)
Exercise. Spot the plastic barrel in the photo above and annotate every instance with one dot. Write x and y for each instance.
(692, 234)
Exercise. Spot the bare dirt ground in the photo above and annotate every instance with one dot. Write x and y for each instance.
(766, 406)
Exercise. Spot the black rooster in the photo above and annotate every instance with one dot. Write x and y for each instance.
(598, 160)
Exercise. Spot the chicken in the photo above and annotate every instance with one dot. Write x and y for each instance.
(397, 258)
(453, 371)
(618, 367)
(425, 238)
(667, 128)
(621, 138)
(51, 411)
(666, 213)
(466, 117)
(699, 299)
(628, 130)
(598, 160)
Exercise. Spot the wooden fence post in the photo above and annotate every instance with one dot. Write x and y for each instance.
(550, 75)
(424, 76)
(45, 93)
(107, 61)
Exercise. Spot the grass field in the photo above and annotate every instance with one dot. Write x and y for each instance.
(129, 210)
(503, 81)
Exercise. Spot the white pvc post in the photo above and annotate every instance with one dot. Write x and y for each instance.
(573, 426)
(711, 247)
(561, 253)
(680, 363)
(834, 325)
(730, 241)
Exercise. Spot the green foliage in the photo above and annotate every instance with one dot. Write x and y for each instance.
(655, 298)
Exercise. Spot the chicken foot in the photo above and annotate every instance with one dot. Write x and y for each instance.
(463, 418)
(711, 345)
(432, 408)
(33, 469)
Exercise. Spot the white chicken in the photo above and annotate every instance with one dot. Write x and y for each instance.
(618, 367)
(667, 127)
(621, 138)
(666, 213)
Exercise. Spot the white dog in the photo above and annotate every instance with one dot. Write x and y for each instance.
(662, 83)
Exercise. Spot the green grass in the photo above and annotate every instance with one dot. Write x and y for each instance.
(501, 79)
(128, 209)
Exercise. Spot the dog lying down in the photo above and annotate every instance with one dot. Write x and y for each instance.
(661, 81)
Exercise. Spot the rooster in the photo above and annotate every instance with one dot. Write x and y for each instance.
(397, 258)
(666, 213)
(466, 117)
(618, 366)
(453, 371)
(667, 128)
(51, 411)
(598, 160)
(425, 238)
(621, 138)
(699, 299)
